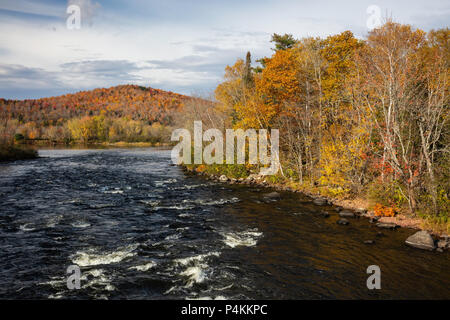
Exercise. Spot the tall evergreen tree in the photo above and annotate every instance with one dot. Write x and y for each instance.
(248, 77)
(282, 42)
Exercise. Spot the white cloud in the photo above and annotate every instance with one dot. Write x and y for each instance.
(33, 7)
(180, 46)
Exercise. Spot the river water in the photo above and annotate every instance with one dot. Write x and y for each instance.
(139, 228)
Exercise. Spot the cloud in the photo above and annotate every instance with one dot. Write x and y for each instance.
(21, 82)
(18, 75)
(33, 8)
(433, 21)
(179, 45)
(205, 48)
(191, 63)
(101, 69)
(25, 82)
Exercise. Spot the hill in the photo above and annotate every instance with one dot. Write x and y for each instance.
(125, 112)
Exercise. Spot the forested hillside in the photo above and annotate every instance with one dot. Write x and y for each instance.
(121, 113)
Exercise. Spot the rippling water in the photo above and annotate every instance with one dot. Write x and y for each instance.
(140, 228)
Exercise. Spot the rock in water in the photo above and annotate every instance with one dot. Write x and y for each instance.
(272, 195)
(324, 214)
(343, 222)
(223, 178)
(320, 202)
(346, 214)
(422, 240)
(443, 244)
(386, 225)
(374, 219)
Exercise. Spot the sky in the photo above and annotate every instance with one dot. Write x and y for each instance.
(181, 46)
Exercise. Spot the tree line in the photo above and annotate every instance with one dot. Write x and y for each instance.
(356, 116)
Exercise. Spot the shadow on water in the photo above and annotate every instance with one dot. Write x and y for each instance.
(140, 228)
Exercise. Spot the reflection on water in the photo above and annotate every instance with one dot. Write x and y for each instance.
(140, 228)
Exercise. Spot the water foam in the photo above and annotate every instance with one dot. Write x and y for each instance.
(196, 268)
(195, 259)
(143, 267)
(151, 202)
(195, 274)
(247, 238)
(99, 279)
(212, 203)
(161, 183)
(26, 227)
(80, 224)
(84, 259)
(208, 298)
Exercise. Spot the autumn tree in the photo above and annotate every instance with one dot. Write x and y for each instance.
(344, 131)
(399, 91)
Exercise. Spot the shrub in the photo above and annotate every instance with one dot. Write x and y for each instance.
(384, 211)
(387, 194)
(19, 137)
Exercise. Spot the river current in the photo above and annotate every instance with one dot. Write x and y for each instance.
(140, 228)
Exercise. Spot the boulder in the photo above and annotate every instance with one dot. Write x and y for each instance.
(223, 178)
(361, 211)
(320, 201)
(253, 177)
(272, 195)
(387, 225)
(421, 240)
(324, 214)
(443, 244)
(346, 214)
(343, 222)
(338, 209)
(369, 242)
(374, 219)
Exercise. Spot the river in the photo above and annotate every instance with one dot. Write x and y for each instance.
(140, 228)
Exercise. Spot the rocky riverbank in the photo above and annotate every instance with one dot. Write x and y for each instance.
(346, 209)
